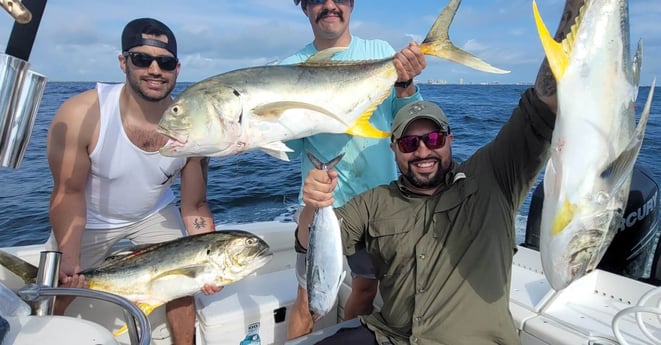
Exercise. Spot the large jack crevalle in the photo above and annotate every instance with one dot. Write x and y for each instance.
(261, 107)
(325, 261)
(595, 142)
(154, 274)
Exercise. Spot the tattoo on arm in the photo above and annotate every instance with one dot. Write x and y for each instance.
(199, 223)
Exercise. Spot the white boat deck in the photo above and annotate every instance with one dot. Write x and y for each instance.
(582, 313)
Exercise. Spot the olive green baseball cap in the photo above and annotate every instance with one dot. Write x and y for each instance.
(415, 111)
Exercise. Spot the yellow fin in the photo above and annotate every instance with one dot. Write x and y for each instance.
(563, 218)
(146, 308)
(363, 128)
(557, 54)
(437, 43)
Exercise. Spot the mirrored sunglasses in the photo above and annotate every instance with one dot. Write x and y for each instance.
(433, 140)
(142, 60)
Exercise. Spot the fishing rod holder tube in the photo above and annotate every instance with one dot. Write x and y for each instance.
(21, 91)
(47, 275)
(138, 334)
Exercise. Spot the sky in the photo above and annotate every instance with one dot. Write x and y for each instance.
(79, 40)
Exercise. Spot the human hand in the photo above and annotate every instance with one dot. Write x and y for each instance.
(69, 276)
(210, 289)
(318, 188)
(409, 62)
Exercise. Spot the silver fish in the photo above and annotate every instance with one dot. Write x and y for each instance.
(595, 142)
(325, 261)
(261, 107)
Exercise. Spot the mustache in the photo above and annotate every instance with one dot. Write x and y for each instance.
(327, 12)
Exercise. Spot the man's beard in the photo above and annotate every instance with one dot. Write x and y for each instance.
(432, 181)
(135, 85)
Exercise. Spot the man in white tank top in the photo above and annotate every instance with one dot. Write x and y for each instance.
(110, 182)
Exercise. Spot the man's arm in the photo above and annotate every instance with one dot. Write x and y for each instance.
(194, 207)
(545, 84)
(69, 135)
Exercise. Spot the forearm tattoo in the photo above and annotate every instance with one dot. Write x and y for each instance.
(199, 223)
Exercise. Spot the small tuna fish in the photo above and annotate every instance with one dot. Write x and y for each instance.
(325, 261)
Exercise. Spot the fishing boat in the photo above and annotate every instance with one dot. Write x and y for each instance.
(600, 308)
(618, 303)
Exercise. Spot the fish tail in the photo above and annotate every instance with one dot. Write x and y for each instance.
(438, 43)
(321, 165)
(23, 269)
(557, 53)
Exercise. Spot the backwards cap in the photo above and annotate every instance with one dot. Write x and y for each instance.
(132, 35)
(418, 110)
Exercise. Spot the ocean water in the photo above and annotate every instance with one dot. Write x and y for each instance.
(256, 187)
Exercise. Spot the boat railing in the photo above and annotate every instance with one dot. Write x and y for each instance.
(139, 334)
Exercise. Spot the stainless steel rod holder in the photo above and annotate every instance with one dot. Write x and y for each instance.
(49, 270)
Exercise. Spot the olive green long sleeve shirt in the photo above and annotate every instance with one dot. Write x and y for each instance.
(444, 261)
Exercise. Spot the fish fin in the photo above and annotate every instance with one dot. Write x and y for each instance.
(339, 282)
(635, 68)
(437, 43)
(272, 111)
(321, 165)
(552, 185)
(277, 149)
(323, 56)
(190, 271)
(146, 308)
(563, 217)
(362, 126)
(125, 252)
(23, 269)
(619, 170)
(557, 54)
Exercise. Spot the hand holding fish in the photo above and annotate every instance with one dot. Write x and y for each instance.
(210, 289)
(318, 188)
(409, 63)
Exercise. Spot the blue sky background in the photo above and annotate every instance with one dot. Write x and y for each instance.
(79, 40)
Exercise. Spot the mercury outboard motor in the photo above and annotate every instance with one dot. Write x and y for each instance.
(631, 251)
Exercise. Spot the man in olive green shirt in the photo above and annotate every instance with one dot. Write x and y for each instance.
(442, 236)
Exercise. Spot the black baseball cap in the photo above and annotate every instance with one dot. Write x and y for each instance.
(132, 35)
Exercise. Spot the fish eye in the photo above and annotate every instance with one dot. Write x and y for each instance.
(250, 241)
(175, 110)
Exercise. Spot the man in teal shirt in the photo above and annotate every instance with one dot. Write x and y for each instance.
(367, 162)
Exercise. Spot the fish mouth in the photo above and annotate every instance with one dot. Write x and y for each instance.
(176, 140)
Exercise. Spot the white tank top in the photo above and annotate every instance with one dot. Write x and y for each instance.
(125, 183)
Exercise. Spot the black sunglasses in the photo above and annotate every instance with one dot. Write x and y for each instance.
(142, 60)
(433, 140)
(322, 1)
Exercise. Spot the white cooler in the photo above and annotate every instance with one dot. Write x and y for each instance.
(256, 305)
